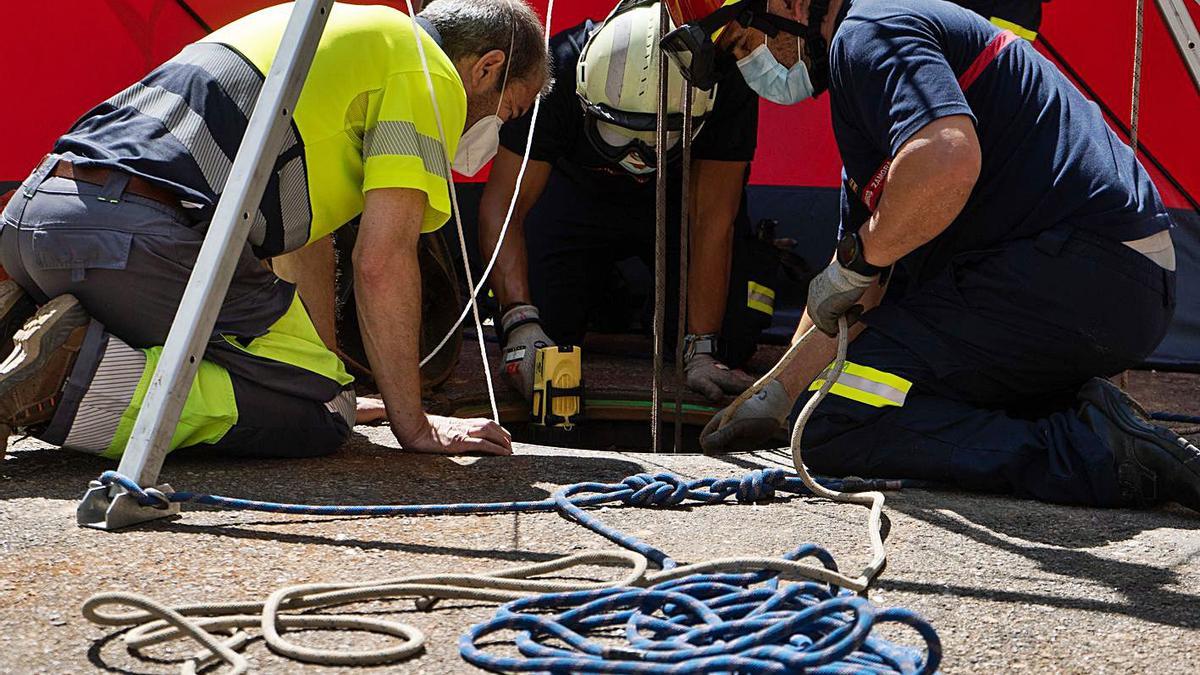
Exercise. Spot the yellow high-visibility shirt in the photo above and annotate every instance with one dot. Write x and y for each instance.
(364, 116)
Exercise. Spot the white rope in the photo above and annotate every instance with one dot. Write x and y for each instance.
(512, 205)
(462, 239)
(872, 500)
(155, 622)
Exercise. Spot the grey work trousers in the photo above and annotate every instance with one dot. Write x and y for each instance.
(128, 259)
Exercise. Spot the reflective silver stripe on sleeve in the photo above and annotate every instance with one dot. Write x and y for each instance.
(400, 137)
(241, 81)
(258, 229)
(293, 204)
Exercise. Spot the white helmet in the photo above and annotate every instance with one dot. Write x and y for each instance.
(616, 79)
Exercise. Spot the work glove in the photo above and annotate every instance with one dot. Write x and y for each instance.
(755, 422)
(835, 292)
(523, 336)
(712, 378)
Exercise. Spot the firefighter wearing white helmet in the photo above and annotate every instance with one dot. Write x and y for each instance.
(580, 247)
(616, 78)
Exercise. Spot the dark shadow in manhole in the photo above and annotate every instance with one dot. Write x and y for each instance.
(616, 423)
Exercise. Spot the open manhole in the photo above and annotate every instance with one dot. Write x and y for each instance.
(608, 423)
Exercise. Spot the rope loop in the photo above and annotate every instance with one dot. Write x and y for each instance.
(145, 496)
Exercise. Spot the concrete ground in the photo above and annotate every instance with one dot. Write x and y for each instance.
(1009, 585)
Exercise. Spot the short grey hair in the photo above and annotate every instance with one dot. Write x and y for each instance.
(472, 28)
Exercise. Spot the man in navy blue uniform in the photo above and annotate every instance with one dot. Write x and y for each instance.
(1028, 252)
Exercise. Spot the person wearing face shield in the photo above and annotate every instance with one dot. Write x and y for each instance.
(105, 232)
(1002, 253)
(588, 203)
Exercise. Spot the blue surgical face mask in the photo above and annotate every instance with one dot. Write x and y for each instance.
(770, 80)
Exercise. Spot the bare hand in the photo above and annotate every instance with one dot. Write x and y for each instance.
(369, 411)
(457, 436)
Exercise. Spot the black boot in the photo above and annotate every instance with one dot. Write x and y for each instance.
(1153, 464)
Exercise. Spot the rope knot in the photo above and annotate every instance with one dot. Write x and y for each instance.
(661, 489)
(759, 485)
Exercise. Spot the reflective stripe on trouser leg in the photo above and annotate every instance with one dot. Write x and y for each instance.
(867, 385)
(344, 404)
(105, 392)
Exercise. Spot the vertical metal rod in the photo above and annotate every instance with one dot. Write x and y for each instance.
(201, 302)
(660, 231)
(685, 191)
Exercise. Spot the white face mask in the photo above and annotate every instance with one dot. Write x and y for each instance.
(770, 80)
(479, 144)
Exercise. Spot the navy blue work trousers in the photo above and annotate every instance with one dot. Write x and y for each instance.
(996, 345)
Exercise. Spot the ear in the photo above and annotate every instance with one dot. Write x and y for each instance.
(488, 71)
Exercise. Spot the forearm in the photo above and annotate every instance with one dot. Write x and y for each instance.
(716, 195)
(389, 316)
(819, 349)
(312, 269)
(928, 183)
(708, 274)
(510, 277)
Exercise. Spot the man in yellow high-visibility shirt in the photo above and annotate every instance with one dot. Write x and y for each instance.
(105, 232)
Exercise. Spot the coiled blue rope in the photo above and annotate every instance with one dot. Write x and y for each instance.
(701, 623)
(704, 623)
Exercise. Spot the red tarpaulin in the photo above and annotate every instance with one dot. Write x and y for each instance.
(66, 55)
(63, 56)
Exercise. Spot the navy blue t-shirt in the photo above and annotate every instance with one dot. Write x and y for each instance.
(730, 132)
(1049, 159)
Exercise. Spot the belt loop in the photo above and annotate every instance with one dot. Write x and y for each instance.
(35, 179)
(1051, 242)
(114, 187)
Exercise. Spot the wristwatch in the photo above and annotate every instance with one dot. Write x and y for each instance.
(850, 255)
(699, 344)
